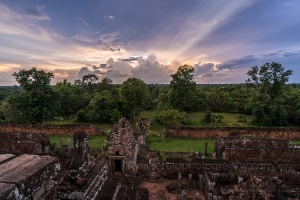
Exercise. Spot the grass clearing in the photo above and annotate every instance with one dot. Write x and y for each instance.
(295, 141)
(95, 142)
(106, 127)
(173, 144)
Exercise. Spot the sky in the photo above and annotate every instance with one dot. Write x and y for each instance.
(149, 40)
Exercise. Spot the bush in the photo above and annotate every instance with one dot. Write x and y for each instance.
(241, 118)
(218, 117)
(115, 116)
(208, 117)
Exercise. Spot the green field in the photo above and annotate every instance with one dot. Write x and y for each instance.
(155, 142)
(95, 142)
(104, 126)
(295, 141)
(180, 145)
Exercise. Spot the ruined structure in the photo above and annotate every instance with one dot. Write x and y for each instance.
(90, 130)
(124, 144)
(215, 132)
(143, 124)
(239, 168)
(26, 176)
(83, 176)
(20, 143)
(242, 150)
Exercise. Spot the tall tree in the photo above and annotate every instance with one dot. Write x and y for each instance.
(268, 105)
(269, 78)
(36, 84)
(183, 89)
(133, 92)
(89, 82)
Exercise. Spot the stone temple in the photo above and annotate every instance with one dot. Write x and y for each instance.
(126, 169)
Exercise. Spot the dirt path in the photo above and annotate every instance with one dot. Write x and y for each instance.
(158, 191)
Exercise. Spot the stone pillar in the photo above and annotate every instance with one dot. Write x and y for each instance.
(224, 155)
(61, 143)
(200, 181)
(197, 195)
(205, 152)
(47, 149)
(214, 155)
(183, 195)
(38, 148)
(179, 180)
(109, 165)
(209, 196)
(123, 166)
(69, 146)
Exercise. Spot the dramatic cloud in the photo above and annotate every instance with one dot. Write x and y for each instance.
(203, 69)
(36, 13)
(108, 38)
(151, 70)
(85, 71)
(238, 63)
(83, 38)
(228, 37)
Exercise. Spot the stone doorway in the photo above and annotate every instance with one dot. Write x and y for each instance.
(118, 165)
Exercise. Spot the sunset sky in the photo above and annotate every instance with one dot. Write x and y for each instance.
(149, 39)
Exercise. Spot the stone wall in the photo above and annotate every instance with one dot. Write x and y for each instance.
(214, 132)
(90, 130)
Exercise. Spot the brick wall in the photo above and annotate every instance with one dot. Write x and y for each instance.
(214, 132)
(90, 130)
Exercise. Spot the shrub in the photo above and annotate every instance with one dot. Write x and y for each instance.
(241, 118)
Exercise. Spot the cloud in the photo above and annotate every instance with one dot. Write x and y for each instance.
(36, 13)
(83, 22)
(233, 71)
(83, 38)
(85, 71)
(151, 70)
(108, 38)
(242, 62)
(110, 17)
(203, 69)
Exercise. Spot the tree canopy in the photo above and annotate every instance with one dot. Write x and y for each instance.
(183, 89)
(133, 92)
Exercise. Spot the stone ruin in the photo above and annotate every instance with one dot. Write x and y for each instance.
(83, 177)
(26, 176)
(239, 168)
(242, 149)
(23, 143)
(123, 149)
(143, 124)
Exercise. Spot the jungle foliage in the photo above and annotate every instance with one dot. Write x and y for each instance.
(265, 95)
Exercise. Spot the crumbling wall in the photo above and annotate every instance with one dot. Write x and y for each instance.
(23, 142)
(90, 130)
(215, 132)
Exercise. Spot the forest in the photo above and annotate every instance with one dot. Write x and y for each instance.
(266, 96)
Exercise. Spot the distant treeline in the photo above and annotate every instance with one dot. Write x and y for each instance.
(265, 95)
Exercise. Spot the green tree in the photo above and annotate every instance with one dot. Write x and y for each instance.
(43, 101)
(183, 89)
(89, 82)
(133, 92)
(269, 79)
(105, 84)
(101, 107)
(268, 104)
(170, 118)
